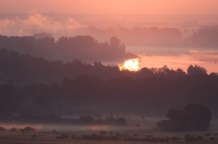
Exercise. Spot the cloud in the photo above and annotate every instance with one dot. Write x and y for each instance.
(205, 56)
(36, 23)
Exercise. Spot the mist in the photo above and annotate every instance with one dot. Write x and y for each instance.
(108, 71)
(37, 23)
(143, 35)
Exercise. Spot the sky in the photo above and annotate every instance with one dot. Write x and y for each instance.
(37, 21)
(111, 6)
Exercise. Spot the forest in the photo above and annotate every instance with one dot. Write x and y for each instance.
(82, 47)
(32, 84)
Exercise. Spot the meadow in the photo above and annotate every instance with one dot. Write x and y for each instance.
(137, 132)
(71, 138)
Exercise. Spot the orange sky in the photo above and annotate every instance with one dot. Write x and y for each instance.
(159, 7)
(112, 6)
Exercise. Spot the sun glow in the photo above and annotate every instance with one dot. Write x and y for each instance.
(131, 65)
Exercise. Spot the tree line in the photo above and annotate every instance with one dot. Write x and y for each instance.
(31, 84)
(85, 48)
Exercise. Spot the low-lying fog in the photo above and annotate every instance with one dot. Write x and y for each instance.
(134, 125)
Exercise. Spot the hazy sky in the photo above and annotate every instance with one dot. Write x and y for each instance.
(112, 6)
(36, 21)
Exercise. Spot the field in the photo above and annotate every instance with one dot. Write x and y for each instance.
(136, 132)
(103, 137)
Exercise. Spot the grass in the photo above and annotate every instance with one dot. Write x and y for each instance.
(8, 137)
(135, 135)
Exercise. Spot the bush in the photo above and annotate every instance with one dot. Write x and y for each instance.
(27, 129)
(193, 117)
(3, 129)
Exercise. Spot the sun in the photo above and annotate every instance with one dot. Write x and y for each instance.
(131, 65)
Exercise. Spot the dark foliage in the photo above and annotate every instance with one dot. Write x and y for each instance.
(34, 85)
(85, 48)
(192, 117)
(204, 37)
(196, 71)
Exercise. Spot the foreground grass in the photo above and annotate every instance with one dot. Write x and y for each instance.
(7, 137)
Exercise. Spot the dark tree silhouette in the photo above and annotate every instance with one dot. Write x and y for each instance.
(33, 84)
(196, 70)
(192, 117)
(198, 116)
(204, 37)
(85, 48)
